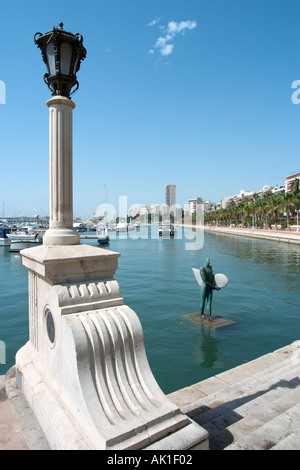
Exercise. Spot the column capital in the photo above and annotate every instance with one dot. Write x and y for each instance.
(58, 99)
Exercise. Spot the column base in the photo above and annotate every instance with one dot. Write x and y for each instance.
(84, 371)
(61, 236)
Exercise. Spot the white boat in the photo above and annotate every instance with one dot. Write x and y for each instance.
(80, 227)
(122, 227)
(22, 234)
(25, 238)
(4, 240)
(103, 238)
(167, 230)
(18, 245)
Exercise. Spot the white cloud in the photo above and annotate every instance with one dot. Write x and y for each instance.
(155, 21)
(161, 42)
(167, 49)
(176, 28)
(170, 32)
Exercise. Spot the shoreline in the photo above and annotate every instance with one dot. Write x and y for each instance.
(285, 236)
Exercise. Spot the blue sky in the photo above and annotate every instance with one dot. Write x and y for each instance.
(195, 93)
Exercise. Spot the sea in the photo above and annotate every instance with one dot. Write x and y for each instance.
(156, 280)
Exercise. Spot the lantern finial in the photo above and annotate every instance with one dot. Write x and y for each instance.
(62, 53)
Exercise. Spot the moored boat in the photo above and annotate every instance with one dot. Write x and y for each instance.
(4, 239)
(25, 238)
(167, 230)
(80, 227)
(103, 237)
(122, 227)
(19, 244)
(22, 235)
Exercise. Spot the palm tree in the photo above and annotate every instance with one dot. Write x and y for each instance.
(297, 207)
(230, 211)
(264, 209)
(287, 205)
(253, 209)
(295, 186)
(275, 207)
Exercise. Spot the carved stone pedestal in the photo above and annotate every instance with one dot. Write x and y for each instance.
(84, 370)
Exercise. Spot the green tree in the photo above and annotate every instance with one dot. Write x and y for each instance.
(287, 205)
(295, 186)
(275, 208)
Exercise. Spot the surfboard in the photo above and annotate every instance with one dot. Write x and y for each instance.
(220, 279)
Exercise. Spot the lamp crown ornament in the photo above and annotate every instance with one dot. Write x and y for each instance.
(62, 53)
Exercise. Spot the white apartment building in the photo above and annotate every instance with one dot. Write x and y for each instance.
(289, 179)
(193, 204)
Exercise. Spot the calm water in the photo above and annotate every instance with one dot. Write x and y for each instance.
(156, 280)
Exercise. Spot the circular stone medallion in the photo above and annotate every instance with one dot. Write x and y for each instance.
(50, 326)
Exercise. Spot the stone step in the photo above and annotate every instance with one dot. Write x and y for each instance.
(240, 417)
(239, 408)
(255, 405)
(273, 432)
(291, 442)
(251, 386)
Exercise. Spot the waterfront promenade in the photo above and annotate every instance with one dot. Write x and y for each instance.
(287, 236)
(255, 406)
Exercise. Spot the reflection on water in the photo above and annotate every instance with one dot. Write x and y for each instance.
(157, 282)
(207, 353)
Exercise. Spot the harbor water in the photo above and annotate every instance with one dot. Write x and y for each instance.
(157, 282)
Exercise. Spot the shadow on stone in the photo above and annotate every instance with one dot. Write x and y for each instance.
(220, 415)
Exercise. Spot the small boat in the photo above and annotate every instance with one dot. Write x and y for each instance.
(80, 227)
(25, 238)
(103, 238)
(122, 227)
(18, 245)
(167, 230)
(4, 239)
(23, 234)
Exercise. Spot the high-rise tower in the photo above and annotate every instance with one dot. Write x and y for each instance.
(170, 195)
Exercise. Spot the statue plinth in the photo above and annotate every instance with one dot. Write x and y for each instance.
(84, 370)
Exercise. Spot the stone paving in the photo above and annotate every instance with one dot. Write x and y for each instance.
(255, 406)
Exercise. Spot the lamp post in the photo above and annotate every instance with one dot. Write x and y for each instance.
(84, 371)
(62, 53)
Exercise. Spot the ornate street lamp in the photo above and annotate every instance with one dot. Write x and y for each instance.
(84, 370)
(62, 53)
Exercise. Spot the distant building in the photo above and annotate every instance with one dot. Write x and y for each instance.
(244, 193)
(141, 210)
(278, 189)
(193, 204)
(170, 195)
(225, 201)
(289, 179)
(209, 206)
(264, 189)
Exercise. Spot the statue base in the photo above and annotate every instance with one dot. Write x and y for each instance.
(84, 371)
(214, 321)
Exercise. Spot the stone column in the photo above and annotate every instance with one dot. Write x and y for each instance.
(61, 230)
(84, 371)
